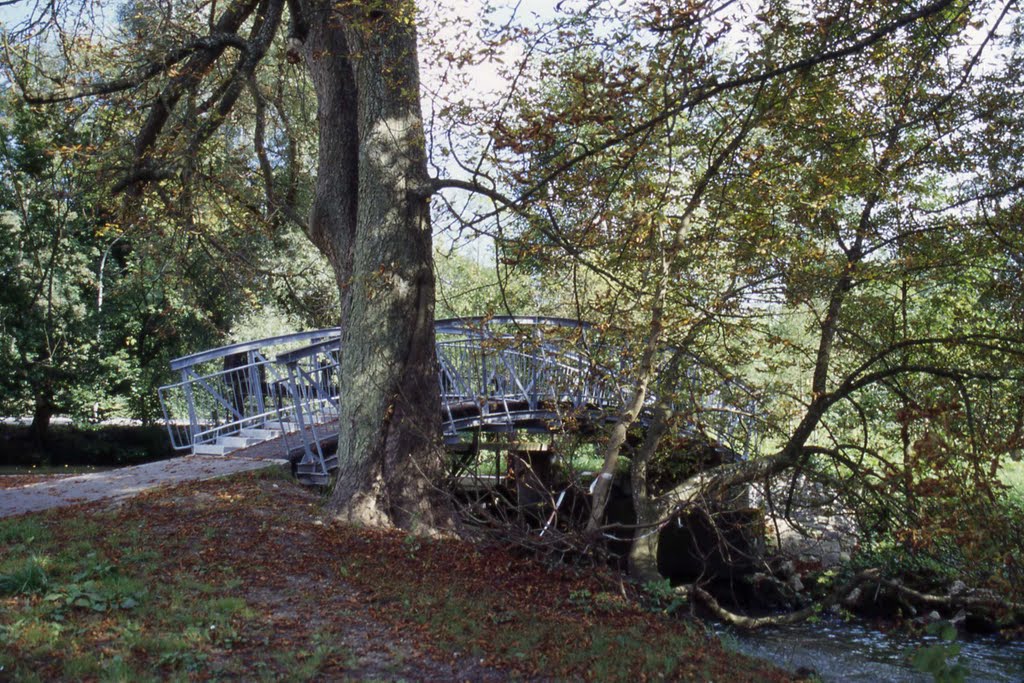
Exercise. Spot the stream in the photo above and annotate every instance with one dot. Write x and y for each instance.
(852, 651)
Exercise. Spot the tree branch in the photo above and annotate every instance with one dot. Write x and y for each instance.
(705, 91)
(214, 41)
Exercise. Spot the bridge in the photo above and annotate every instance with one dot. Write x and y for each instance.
(501, 374)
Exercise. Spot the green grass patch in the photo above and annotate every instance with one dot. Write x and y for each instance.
(21, 531)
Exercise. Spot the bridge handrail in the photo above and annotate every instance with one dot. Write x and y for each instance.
(308, 350)
(194, 359)
(480, 322)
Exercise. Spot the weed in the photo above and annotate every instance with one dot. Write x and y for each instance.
(580, 599)
(412, 544)
(82, 667)
(222, 609)
(182, 660)
(29, 579)
(34, 635)
(98, 587)
(729, 641)
(91, 596)
(116, 670)
(660, 596)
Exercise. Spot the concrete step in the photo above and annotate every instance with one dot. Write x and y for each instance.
(314, 479)
(211, 449)
(314, 467)
(260, 434)
(237, 441)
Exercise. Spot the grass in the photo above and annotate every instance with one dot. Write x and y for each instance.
(235, 579)
(28, 578)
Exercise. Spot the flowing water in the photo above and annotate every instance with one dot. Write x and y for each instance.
(851, 651)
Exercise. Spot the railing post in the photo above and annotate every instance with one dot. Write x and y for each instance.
(193, 419)
(299, 405)
(255, 385)
(485, 409)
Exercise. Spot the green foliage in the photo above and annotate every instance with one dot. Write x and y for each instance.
(412, 544)
(838, 236)
(660, 596)
(938, 660)
(1012, 475)
(601, 602)
(98, 293)
(48, 244)
(470, 286)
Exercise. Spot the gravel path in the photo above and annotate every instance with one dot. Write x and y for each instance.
(60, 491)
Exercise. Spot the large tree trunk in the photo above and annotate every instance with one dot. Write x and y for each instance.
(371, 219)
(41, 415)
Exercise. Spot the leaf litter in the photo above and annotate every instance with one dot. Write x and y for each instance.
(244, 577)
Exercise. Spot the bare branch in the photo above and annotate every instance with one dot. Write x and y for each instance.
(214, 41)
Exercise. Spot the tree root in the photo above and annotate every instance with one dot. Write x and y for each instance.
(965, 599)
(751, 623)
(991, 601)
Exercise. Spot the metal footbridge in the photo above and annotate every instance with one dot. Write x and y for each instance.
(499, 374)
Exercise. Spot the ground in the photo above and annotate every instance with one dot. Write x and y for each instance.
(244, 578)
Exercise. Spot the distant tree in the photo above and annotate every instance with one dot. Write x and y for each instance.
(92, 308)
(47, 247)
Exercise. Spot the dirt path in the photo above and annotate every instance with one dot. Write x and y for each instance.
(59, 490)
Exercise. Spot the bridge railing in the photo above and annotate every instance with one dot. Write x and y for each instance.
(721, 408)
(222, 391)
(310, 403)
(504, 372)
(495, 373)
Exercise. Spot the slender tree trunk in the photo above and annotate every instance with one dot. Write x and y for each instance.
(371, 219)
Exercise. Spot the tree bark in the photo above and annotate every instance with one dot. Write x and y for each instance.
(42, 413)
(371, 219)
